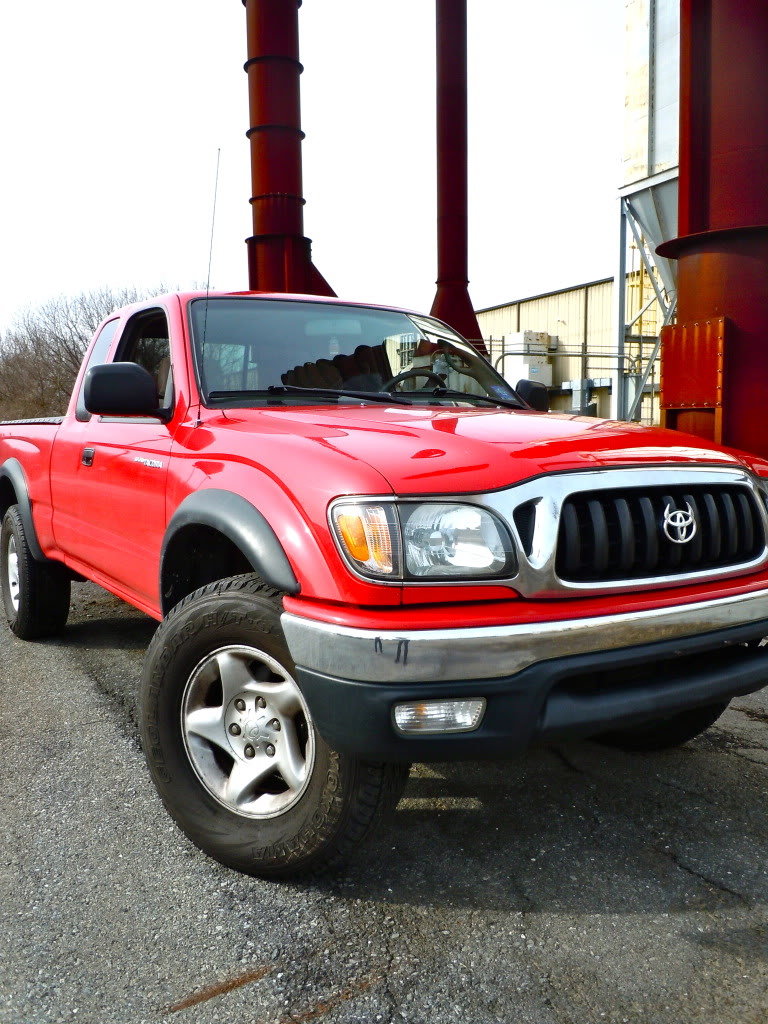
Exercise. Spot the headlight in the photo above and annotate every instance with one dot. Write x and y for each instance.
(425, 541)
(448, 540)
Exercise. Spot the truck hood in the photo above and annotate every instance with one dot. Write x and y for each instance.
(423, 451)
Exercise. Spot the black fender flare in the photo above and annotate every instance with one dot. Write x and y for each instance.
(12, 471)
(242, 523)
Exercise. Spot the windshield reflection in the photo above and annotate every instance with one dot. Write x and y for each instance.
(249, 351)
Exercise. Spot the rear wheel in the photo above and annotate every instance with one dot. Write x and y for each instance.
(232, 747)
(35, 594)
(663, 733)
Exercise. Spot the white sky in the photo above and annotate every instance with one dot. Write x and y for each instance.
(112, 115)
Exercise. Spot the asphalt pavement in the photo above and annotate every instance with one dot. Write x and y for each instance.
(577, 885)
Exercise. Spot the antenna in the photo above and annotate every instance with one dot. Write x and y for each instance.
(213, 219)
(210, 253)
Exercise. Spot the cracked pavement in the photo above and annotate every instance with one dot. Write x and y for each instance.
(577, 885)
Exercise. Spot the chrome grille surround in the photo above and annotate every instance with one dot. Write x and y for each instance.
(536, 528)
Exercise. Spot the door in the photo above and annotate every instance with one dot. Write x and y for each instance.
(108, 476)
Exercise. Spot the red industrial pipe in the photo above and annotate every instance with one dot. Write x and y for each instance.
(722, 246)
(452, 303)
(279, 255)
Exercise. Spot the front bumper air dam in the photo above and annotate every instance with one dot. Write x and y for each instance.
(540, 681)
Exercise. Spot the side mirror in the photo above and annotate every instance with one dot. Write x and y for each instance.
(534, 393)
(121, 389)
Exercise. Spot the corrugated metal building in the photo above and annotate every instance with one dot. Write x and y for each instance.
(573, 331)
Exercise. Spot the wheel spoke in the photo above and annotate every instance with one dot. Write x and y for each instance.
(244, 778)
(281, 696)
(208, 723)
(13, 573)
(234, 672)
(290, 758)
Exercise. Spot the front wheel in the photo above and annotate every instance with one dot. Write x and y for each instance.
(232, 747)
(36, 595)
(663, 733)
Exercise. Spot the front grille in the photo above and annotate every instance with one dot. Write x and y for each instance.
(619, 534)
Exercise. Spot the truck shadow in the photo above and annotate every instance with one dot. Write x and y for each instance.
(98, 619)
(575, 829)
(571, 828)
(118, 633)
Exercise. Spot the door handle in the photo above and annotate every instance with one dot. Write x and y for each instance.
(87, 457)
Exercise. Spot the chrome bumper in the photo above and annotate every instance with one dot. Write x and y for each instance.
(385, 656)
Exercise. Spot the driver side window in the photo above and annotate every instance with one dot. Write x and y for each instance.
(146, 342)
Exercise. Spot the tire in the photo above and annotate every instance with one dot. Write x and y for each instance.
(663, 733)
(232, 748)
(35, 594)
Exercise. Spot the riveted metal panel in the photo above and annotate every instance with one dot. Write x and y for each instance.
(692, 362)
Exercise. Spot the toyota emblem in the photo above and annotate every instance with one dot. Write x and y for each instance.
(679, 524)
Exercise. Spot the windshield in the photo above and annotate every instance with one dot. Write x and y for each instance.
(253, 351)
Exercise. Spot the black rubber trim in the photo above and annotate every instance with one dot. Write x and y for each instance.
(553, 699)
(11, 470)
(236, 518)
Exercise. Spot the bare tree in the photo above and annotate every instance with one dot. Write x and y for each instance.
(41, 353)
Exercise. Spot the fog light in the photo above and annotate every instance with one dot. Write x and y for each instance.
(420, 716)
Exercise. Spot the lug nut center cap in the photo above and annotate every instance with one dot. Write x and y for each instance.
(248, 726)
(254, 732)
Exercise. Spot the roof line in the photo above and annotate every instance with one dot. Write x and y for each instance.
(546, 295)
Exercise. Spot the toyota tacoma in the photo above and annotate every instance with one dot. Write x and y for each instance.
(365, 549)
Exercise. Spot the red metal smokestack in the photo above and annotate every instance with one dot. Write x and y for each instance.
(452, 303)
(723, 224)
(279, 255)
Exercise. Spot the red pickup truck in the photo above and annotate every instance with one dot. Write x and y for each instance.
(366, 549)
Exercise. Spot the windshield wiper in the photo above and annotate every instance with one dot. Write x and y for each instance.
(510, 402)
(275, 390)
(373, 396)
